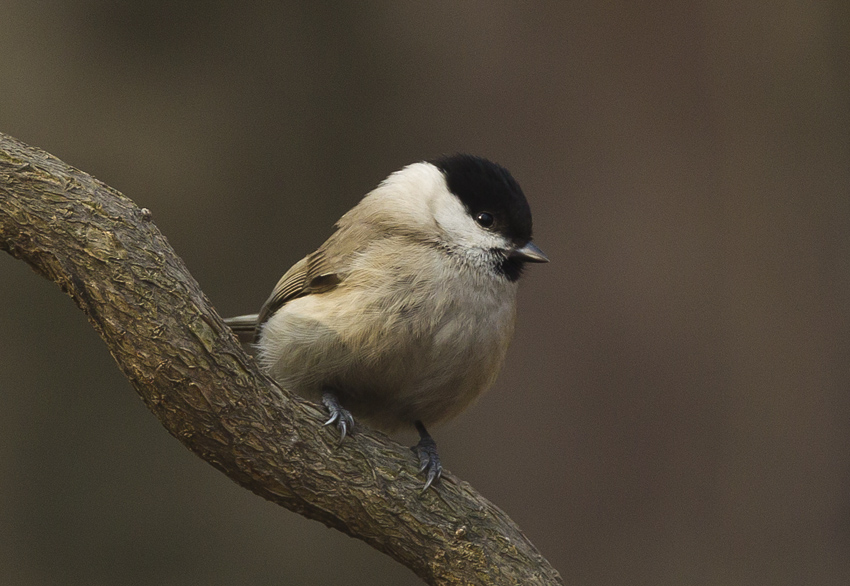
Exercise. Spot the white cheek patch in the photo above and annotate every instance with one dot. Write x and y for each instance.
(460, 227)
(417, 197)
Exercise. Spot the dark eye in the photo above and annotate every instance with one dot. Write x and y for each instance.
(485, 219)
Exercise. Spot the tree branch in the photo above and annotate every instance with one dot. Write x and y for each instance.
(107, 254)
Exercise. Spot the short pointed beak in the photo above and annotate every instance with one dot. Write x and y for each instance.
(528, 253)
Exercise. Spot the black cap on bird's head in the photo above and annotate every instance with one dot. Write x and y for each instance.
(494, 199)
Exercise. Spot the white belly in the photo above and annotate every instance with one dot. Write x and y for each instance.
(386, 366)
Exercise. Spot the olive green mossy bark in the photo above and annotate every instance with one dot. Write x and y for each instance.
(107, 254)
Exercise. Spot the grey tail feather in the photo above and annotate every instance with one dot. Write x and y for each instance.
(244, 326)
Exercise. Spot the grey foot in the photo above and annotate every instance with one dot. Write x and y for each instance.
(343, 419)
(429, 460)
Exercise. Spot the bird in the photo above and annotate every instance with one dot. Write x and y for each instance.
(404, 315)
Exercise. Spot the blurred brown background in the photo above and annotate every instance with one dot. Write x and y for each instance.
(675, 406)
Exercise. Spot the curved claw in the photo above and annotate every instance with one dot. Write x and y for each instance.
(429, 460)
(343, 428)
(344, 420)
(334, 417)
(433, 474)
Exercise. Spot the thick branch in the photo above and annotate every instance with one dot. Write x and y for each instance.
(188, 368)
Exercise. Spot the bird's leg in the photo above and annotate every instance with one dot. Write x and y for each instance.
(344, 420)
(429, 460)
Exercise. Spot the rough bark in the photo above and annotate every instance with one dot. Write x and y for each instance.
(107, 254)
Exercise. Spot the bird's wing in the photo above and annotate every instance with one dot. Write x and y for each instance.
(311, 274)
(318, 272)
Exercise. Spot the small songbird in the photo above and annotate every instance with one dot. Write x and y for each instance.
(404, 315)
